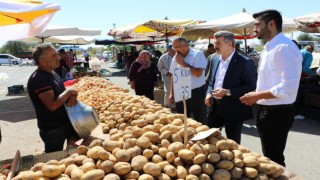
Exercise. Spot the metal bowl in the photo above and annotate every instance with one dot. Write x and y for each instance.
(84, 119)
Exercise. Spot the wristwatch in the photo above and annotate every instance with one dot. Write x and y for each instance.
(228, 92)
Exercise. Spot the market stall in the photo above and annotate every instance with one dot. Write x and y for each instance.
(139, 139)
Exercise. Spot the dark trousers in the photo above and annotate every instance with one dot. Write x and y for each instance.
(217, 119)
(195, 105)
(273, 124)
(142, 91)
(54, 139)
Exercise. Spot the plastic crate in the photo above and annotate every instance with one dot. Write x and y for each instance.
(15, 89)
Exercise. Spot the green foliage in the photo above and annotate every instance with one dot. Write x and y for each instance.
(13, 47)
(305, 37)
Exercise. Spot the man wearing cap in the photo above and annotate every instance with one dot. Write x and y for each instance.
(187, 57)
(63, 67)
(164, 67)
(48, 96)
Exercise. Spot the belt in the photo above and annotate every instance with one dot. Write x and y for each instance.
(268, 107)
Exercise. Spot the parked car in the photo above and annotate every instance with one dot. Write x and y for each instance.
(107, 54)
(8, 59)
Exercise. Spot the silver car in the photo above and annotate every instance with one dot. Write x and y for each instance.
(8, 59)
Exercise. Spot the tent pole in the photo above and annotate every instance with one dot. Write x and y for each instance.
(245, 41)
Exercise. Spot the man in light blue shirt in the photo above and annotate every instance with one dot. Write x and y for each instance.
(307, 60)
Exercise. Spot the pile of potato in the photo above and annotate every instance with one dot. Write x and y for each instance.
(146, 142)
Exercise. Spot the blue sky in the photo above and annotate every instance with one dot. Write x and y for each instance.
(101, 14)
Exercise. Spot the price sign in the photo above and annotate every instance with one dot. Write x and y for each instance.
(182, 84)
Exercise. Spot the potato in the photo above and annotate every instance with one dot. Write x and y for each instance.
(156, 158)
(143, 142)
(106, 166)
(154, 148)
(88, 166)
(25, 175)
(195, 169)
(152, 136)
(244, 149)
(69, 169)
(170, 156)
(192, 177)
(123, 155)
(170, 170)
(261, 177)
(263, 159)
(51, 170)
(163, 164)
(238, 162)
(199, 159)
(236, 173)
(225, 164)
(62, 177)
(38, 166)
(213, 158)
(96, 142)
(148, 153)
(95, 174)
(237, 154)
(186, 154)
(110, 145)
(132, 175)
(134, 151)
(138, 162)
(226, 155)
(207, 168)
(129, 143)
(250, 172)
(178, 162)
(250, 161)
(221, 174)
(177, 122)
(266, 168)
(152, 169)
(212, 140)
(146, 177)
(204, 177)
(176, 138)
(78, 159)
(163, 152)
(165, 135)
(202, 128)
(93, 152)
(111, 177)
(163, 176)
(278, 172)
(121, 168)
(140, 123)
(76, 174)
(175, 147)
(197, 149)
(68, 161)
(223, 145)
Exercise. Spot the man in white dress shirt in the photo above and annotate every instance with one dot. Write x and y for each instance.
(187, 57)
(164, 67)
(279, 73)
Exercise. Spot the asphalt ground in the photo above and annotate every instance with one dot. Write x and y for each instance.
(20, 131)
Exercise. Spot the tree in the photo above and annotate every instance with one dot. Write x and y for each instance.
(306, 37)
(13, 47)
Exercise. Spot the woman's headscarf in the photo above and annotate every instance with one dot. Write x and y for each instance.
(144, 60)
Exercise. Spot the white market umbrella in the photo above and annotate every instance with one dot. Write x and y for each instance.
(23, 18)
(54, 30)
(240, 24)
(309, 23)
(79, 40)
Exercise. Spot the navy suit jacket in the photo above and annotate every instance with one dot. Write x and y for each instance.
(240, 78)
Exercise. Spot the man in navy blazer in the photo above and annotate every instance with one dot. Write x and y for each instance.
(233, 75)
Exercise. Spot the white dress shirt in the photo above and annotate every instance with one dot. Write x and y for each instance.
(196, 59)
(279, 71)
(221, 71)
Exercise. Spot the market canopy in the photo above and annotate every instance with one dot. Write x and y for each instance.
(153, 28)
(143, 40)
(79, 40)
(24, 18)
(54, 30)
(309, 23)
(241, 24)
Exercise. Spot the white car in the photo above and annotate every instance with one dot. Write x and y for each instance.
(8, 59)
